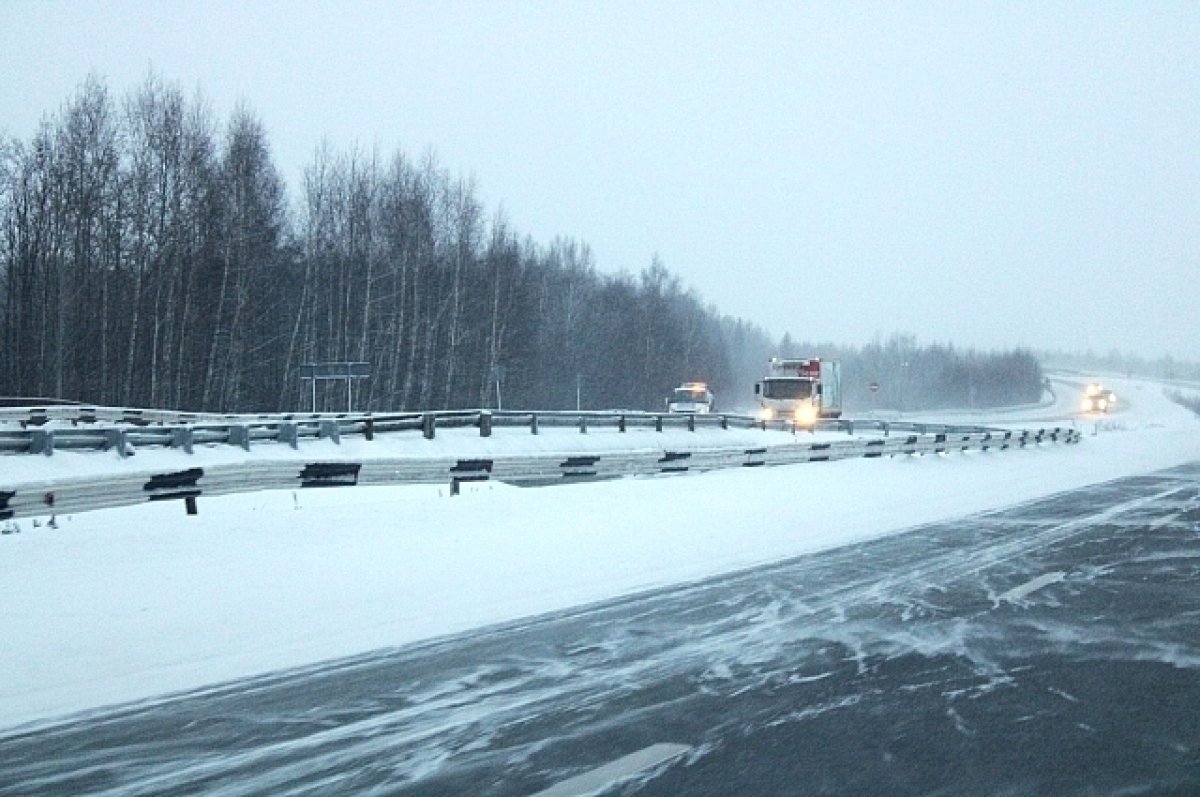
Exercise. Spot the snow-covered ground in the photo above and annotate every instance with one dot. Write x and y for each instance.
(128, 604)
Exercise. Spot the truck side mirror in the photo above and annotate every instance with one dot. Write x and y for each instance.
(756, 388)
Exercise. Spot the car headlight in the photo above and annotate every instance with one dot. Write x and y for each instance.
(766, 414)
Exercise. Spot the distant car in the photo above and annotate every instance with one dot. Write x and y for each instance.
(1097, 398)
(692, 398)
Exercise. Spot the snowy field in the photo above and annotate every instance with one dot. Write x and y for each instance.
(128, 604)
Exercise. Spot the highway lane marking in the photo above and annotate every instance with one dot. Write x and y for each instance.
(1029, 587)
(601, 777)
(1164, 521)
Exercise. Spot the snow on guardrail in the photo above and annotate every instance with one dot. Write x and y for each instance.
(99, 489)
(42, 430)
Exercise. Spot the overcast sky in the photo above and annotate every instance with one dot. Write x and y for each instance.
(985, 174)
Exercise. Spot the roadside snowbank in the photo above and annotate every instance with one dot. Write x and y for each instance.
(128, 604)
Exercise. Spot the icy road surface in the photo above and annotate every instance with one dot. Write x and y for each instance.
(1051, 648)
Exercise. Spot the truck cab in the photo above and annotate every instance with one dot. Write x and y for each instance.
(801, 391)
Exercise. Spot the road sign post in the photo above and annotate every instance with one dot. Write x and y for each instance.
(332, 371)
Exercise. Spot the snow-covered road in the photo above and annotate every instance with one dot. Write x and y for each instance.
(128, 604)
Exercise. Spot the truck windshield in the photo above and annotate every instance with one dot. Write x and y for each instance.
(689, 395)
(782, 388)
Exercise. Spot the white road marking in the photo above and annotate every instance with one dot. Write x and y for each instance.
(593, 781)
(1164, 521)
(1017, 593)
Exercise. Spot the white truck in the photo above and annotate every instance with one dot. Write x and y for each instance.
(693, 398)
(800, 390)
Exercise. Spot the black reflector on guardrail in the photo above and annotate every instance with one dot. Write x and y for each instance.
(579, 466)
(755, 457)
(824, 447)
(673, 456)
(330, 474)
(181, 484)
(472, 470)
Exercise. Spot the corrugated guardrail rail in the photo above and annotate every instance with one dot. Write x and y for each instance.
(122, 431)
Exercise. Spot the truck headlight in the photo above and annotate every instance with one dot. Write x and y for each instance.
(806, 416)
(766, 414)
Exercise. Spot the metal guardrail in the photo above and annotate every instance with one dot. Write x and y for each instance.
(82, 493)
(39, 430)
(42, 412)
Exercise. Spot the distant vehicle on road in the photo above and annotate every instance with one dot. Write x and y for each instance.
(692, 398)
(800, 390)
(1097, 398)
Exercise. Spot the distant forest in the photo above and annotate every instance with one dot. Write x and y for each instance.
(1165, 367)
(151, 255)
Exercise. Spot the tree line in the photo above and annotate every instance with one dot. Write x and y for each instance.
(151, 255)
(1164, 367)
(901, 374)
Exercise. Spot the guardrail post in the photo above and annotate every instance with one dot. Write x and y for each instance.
(328, 427)
(41, 441)
(725, 422)
(691, 423)
(289, 433)
(621, 423)
(428, 425)
(115, 438)
(658, 423)
(239, 435)
(369, 429)
(533, 423)
(583, 424)
(189, 503)
(181, 437)
(485, 423)
(454, 487)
